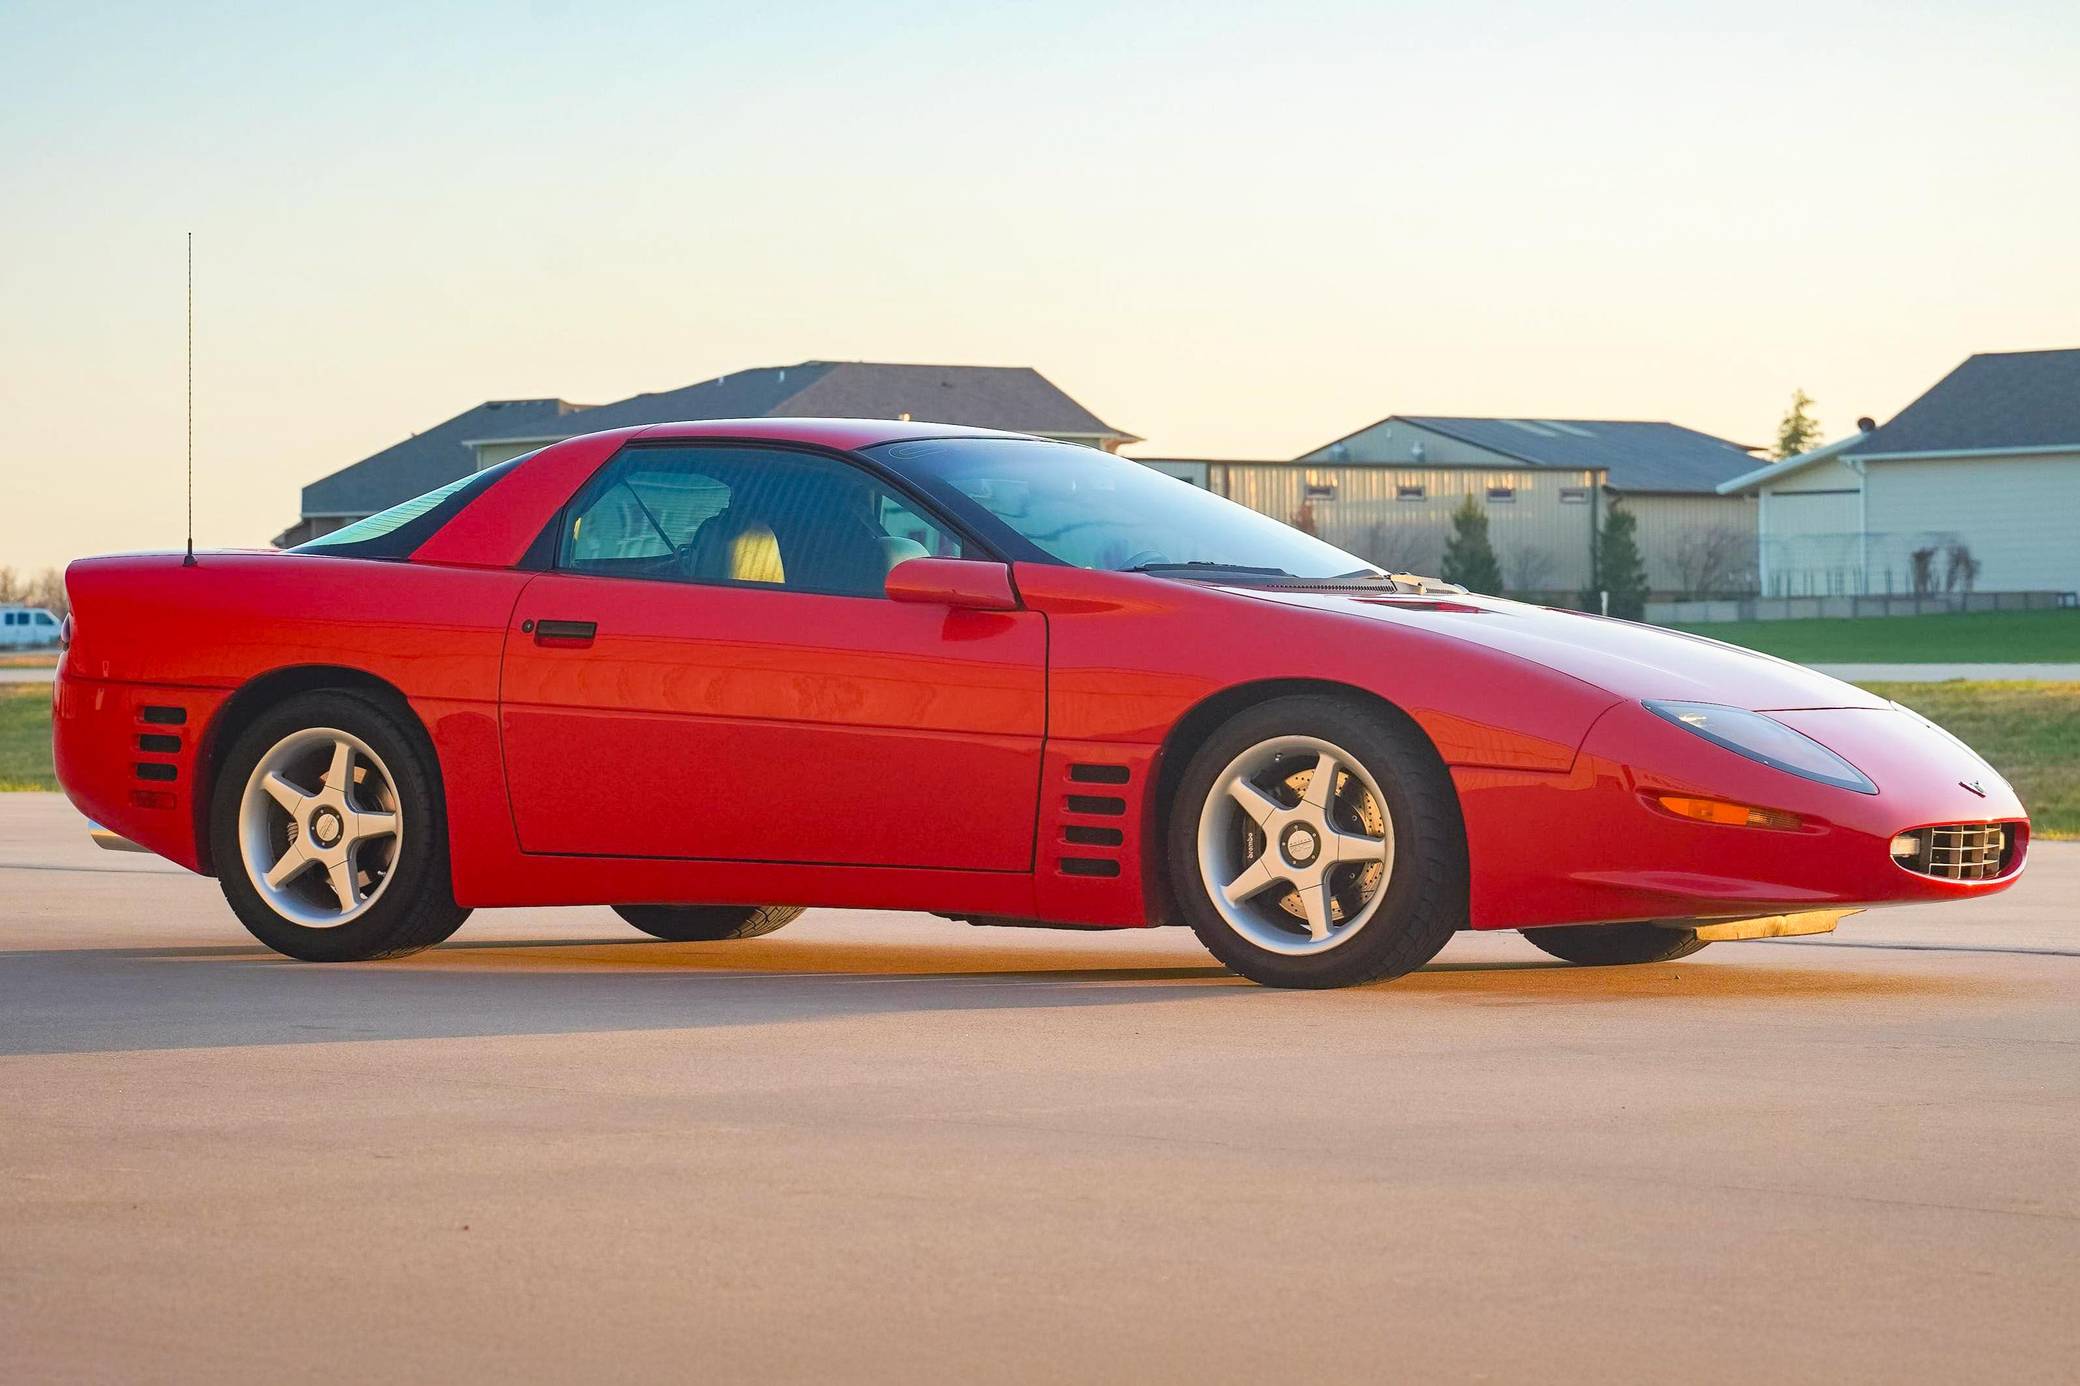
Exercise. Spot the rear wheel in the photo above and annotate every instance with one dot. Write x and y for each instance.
(1614, 945)
(328, 833)
(1315, 843)
(707, 923)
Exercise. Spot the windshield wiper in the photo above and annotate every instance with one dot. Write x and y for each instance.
(1200, 565)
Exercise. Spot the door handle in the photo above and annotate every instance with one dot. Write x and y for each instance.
(565, 634)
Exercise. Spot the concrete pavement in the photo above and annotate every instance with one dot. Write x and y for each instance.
(880, 1147)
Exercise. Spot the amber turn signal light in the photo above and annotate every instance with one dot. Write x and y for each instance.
(1732, 815)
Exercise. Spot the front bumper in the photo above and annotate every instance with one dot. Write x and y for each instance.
(1591, 846)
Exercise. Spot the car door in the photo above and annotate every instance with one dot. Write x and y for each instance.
(714, 670)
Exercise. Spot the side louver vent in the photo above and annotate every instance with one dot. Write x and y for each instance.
(1094, 850)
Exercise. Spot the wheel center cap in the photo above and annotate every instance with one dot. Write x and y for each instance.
(326, 827)
(1300, 845)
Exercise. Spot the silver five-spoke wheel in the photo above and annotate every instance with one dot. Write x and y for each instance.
(319, 825)
(1295, 845)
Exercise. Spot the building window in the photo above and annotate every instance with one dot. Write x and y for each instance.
(1502, 493)
(1408, 493)
(1574, 495)
(1321, 490)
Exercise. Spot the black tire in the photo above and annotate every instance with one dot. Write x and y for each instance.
(416, 908)
(1615, 945)
(707, 923)
(1425, 896)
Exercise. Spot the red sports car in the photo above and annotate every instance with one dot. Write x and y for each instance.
(712, 673)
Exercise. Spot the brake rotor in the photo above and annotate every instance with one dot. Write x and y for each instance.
(1352, 807)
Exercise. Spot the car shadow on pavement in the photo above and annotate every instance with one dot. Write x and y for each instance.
(98, 1000)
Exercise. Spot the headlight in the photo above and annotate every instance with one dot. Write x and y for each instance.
(1767, 740)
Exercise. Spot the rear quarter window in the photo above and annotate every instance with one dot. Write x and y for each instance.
(395, 533)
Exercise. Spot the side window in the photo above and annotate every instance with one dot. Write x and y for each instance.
(905, 526)
(732, 516)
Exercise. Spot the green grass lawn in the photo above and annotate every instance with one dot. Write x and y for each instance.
(2030, 732)
(1987, 637)
(25, 737)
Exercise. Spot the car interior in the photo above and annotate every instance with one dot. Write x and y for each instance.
(813, 528)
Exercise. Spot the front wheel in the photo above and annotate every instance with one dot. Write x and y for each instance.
(707, 923)
(328, 832)
(1615, 945)
(1315, 842)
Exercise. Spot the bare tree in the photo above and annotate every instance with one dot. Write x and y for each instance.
(1713, 560)
(1924, 564)
(1399, 548)
(1530, 569)
(1960, 569)
(46, 589)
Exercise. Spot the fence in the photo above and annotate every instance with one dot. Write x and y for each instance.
(1850, 607)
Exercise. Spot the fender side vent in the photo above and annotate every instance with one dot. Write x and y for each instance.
(1098, 774)
(159, 743)
(1093, 837)
(1089, 866)
(1101, 804)
(163, 716)
(156, 770)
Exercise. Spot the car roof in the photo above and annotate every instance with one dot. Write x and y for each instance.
(829, 433)
(496, 527)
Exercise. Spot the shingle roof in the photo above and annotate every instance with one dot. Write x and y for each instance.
(1015, 398)
(2007, 399)
(1639, 455)
(426, 460)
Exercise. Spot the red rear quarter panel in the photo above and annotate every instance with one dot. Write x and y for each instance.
(149, 631)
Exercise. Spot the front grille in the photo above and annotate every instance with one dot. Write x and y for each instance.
(1955, 851)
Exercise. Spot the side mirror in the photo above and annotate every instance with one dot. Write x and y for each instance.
(965, 584)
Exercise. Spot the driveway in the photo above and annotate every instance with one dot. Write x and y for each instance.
(887, 1147)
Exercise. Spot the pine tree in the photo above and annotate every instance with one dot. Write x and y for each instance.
(1620, 571)
(1469, 559)
(1799, 431)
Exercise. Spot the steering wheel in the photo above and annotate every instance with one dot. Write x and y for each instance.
(1146, 556)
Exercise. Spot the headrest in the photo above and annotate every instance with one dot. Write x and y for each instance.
(754, 554)
(894, 551)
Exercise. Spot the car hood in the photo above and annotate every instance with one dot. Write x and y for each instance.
(1623, 658)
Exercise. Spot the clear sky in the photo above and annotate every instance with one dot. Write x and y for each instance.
(1237, 229)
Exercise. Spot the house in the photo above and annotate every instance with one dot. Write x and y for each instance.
(1017, 398)
(1544, 483)
(1399, 517)
(1975, 485)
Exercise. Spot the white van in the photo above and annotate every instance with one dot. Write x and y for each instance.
(27, 627)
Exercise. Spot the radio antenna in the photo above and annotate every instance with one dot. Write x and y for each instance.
(189, 561)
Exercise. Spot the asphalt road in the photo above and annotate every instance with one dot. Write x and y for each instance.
(881, 1147)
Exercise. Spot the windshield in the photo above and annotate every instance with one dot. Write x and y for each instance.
(1089, 509)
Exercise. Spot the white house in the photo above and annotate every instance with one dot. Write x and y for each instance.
(1973, 486)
